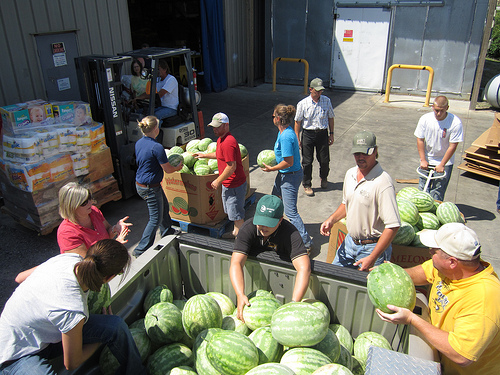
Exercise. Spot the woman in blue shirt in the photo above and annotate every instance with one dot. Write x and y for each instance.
(289, 177)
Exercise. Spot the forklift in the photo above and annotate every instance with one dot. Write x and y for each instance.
(100, 82)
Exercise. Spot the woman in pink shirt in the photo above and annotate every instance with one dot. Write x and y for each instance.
(84, 224)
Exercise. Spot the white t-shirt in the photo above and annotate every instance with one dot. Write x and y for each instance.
(171, 97)
(49, 302)
(438, 135)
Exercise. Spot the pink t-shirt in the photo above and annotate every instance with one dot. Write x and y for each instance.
(71, 235)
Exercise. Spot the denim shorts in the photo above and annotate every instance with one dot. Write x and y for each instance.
(233, 200)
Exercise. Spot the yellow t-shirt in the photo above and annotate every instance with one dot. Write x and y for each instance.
(469, 310)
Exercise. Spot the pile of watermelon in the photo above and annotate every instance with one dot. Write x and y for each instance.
(419, 211)
(192, 165)
(203, 336)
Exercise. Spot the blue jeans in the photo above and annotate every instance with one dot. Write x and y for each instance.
(159, 216)
(286, 186)
(498, 199)
(164, 112)
(437, 187)
(349, 253)
(110, 330)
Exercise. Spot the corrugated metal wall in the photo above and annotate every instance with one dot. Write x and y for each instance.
(236, 31)
(101, 26)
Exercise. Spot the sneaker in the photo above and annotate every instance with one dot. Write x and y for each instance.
(172, 231)
(228, 236)
(324, 184)
(309, 191)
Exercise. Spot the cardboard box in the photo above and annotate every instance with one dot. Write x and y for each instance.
(404, 256)
(192, 198)
(100, 165)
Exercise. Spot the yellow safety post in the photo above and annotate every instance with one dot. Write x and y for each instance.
(306, 70)
(414, 67)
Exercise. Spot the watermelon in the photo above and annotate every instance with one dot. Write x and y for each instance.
(343, 335)
(176, 150)
(212, 147)
(405, 234)
(192, 146)
(428, 221)
(168, 357)
(416, 240)
(202, 364)
(304, 360)
(243, 150)
(320, 305)
(332, 369)
(159, 294)
(269, 349)
(181, 370)
(201, 312)
(260, 293)
(433, 209)
(139, 323)
(232, 323)
(299, 324)
(407, 192)
(422, 200)
(271, 369)
(175, 160)
(408, 211)
(203, 144)
(330, 346)
(226, 305)
(358, 368)
(266, 157)
(260, 311)
(186, 169)
(163, 323)
(367, 339)
(232, 353)
(201, 161)
(189, 159)
(448, 212)
(180, 303)
(390, 284)
(212, 163)
(96, 301)
(345, 358)
(201, 169)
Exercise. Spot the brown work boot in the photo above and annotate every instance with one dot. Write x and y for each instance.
(309, 191)
(324, 183)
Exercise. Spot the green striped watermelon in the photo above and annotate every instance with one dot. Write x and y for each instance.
(180, 303)
(243, 151)
(232, 323)
(201, 312)
(202, 169)
(186, 169)
(260, 311)
(176, 150)
(345, 358)
(448, 212)
(405, 234)
(203, 144)
(416, 240)
(188, 158)
(163, 323)
(175, 160)
(299, 324)
(423, 201)
(343, 335)
(181, 370)
(367, 339)
(407, 211)
(304, 360)
(168, 357)
(226, 305)
(390, 284)
(271, 369)
(202, 364)
(96, 301)
(320, 305)
(358, 368)
(139, 323)
(407, 192)
(192, 146)
(428, 221)
(159, 294)
(212, 147)
(260, 293)
(436, 205)
(267, 157)
(232, 353)
(212, 164)
(269, 349)
(332, 369)
(330, 346)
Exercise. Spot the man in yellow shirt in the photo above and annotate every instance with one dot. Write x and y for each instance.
(464, 302)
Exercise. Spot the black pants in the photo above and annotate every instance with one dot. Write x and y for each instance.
(312, 139)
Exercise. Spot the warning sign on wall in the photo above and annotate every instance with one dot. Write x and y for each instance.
(348, 36)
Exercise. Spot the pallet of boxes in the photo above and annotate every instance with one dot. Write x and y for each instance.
(44, 146)
(189, 192)
(418, 212)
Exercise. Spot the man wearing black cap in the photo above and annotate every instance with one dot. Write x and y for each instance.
(369, 206)
(269, 231)
(316, 118)
(464, 302)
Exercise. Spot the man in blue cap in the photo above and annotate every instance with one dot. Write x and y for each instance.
(269, 231)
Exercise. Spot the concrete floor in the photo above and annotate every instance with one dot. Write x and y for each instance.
(250, 111)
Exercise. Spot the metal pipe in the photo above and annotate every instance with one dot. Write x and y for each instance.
(414, 67)
(306, 70)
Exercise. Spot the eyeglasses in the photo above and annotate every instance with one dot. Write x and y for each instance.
(86, 201)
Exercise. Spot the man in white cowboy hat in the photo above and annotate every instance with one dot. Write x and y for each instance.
(464, 302)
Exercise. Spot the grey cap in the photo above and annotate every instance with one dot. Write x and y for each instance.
(364, 142)
(317, 84)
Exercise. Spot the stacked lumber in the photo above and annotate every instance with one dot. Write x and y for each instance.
(483, 157)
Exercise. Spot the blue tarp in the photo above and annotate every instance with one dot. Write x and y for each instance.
(213, 46)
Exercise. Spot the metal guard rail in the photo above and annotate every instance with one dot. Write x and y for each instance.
(306, 70)
(414, 67)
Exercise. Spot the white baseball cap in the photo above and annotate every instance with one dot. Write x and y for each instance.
(455, 239)
(219, 119)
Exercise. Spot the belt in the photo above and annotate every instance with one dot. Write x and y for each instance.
(291, 172)
(365, 242)
(316, 130)
(147, 186)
